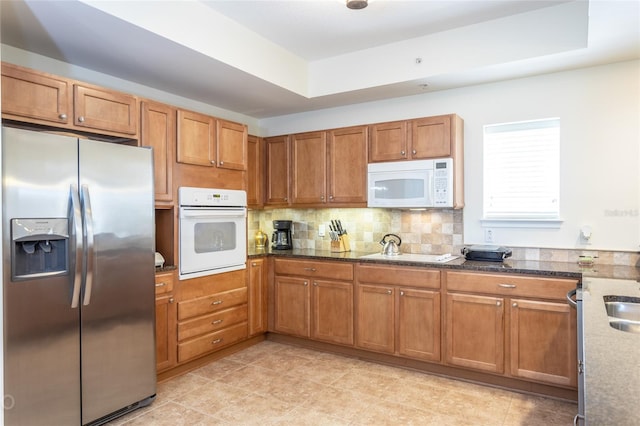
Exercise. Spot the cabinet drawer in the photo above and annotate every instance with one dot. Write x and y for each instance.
(387, 275)
(510, 285)
(211, 284)
(314, 269)
(164, 283)
(211, 303)
(213, 322)
(211, 342)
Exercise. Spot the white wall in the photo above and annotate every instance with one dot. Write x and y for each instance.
(599, 109)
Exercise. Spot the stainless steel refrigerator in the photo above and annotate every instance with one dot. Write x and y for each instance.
(78, 278)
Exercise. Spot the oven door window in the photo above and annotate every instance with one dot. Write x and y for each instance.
(214, 237)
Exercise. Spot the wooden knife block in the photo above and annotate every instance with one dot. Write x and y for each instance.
(343, 244)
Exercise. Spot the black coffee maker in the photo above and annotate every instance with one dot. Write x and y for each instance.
(281, 238)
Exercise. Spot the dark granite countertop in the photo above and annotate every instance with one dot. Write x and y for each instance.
(558, 269)
(611, 371)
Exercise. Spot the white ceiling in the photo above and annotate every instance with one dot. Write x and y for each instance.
(271, 58)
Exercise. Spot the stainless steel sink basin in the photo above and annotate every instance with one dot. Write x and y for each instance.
(623, 312)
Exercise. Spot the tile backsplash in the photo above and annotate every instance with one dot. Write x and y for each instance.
(427, 232)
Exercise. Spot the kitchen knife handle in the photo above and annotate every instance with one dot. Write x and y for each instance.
(77, 235)
(89, 247)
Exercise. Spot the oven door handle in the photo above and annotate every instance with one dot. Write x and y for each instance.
(212, 214)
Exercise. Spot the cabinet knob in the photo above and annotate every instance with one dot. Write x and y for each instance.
(388, 291)
(322, 197)
(402, 153)
(515, 305)
(171, 300)
(331, 197)
(315, 284)
(414, 152)
(222, 163)
(498, 303)
(306, 283)
(402, 293)
(81, 119)
(216, 302)
(213, 162)
(62, 116)
(286, 199)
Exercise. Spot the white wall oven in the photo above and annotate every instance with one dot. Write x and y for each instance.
(213, 231)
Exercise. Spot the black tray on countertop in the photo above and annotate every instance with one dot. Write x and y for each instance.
(486, 253)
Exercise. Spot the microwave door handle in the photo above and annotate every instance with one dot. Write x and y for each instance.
(76, 218)
(89, 246)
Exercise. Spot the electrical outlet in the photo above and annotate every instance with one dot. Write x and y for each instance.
(321, 230)
(488, 235)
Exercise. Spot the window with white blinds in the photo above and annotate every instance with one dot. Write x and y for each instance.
(522, 170)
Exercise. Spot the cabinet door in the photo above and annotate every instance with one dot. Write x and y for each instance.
(388, 141)
(166, 344)
(332, 307)
(257, 297)
(431, 137)
(255, 166)
(105, 110)
(543, 342)
(308, 168)
(277, 170)
(292, 306)
(375, 318)
(196, 139)
(475, 332)
(231, 140)
(347, 167)
(419, 324)
(36, 97)
(158, 130)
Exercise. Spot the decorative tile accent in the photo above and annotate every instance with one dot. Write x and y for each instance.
(426, 232)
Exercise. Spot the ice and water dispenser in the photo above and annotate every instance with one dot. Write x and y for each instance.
(39, 248)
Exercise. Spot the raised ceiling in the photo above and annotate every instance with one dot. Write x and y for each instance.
(271, 58)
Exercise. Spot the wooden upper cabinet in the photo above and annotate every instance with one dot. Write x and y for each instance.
(347, 165)
(277, 170)
(308, 168)
(158, 130)
(255, 168)
(106, 110)
(196, 138)
(418, 139)
(231, 141)
(35, 97)
(431, 137)
(388, 141)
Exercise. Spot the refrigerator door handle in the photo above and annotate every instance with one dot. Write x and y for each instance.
(88, 247)
(77, 235)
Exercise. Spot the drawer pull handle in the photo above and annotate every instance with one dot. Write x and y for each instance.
(507, 285)
(310, 269)
(161, 284)
(216, 302)
(218, 321)
(215, 342)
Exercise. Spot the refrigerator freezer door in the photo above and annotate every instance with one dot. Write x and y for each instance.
(41, 329)
(118, 347)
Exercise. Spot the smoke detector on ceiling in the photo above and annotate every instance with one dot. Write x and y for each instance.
(356, 4)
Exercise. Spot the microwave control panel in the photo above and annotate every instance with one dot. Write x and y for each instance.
(442, 181)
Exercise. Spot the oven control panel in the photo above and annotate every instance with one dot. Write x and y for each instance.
(203, 197)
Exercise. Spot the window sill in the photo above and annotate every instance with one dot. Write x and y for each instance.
(522, 223)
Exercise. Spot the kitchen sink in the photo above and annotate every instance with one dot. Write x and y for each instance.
(623, 312)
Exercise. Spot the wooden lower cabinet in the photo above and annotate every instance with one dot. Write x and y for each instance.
(212, 314)
(309, 305)
(166, 343)
(257, 288)
(396, 319)
(543, 341)
(475, 332)
(512, 333)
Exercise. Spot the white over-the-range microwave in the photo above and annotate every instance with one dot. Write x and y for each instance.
(411, 184)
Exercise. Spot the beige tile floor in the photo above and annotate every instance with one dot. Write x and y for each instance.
(276, 384)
